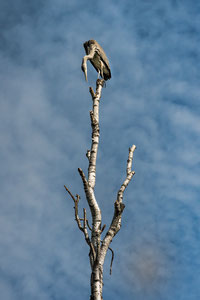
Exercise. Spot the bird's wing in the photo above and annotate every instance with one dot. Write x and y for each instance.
(103, 56)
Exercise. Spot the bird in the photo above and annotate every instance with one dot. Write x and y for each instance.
(98, 58)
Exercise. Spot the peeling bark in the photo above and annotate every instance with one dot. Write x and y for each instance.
(98, 247)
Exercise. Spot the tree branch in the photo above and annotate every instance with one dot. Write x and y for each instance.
(119, 207)
(76, 201)
(92, 93)
(92, 156)
(102, 229)
(129, 174)
(88, 225)
(111, 259)
(89, 192)
(78, 220)
(85, 222)
(94, 115)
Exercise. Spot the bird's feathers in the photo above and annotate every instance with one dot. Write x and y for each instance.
(99, 60)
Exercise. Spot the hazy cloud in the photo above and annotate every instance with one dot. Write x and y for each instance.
(151, 101)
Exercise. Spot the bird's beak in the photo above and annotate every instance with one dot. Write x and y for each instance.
(85, 72)
(84, 68)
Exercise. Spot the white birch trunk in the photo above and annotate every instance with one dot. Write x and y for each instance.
(98, 248)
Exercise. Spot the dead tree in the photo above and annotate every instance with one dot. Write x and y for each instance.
(98, 246)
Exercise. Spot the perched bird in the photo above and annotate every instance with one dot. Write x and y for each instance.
(98, 59)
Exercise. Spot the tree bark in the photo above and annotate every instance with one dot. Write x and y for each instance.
(98, 247)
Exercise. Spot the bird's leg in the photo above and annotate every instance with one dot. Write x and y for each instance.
(84, 61)
(98, 74)
(101, 71)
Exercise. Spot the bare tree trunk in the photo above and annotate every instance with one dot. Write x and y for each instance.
(98, 248)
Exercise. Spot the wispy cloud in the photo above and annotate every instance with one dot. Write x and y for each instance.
(151, 100)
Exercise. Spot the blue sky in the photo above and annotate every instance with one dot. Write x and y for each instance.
(152, 101)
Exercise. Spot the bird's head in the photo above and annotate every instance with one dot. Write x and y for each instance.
(91, 42)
